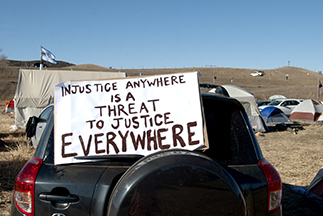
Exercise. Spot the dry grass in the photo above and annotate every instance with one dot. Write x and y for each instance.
(12, 158)
(7, 120)
(297, 157)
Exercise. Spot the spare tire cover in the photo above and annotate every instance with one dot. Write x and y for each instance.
(176, 182)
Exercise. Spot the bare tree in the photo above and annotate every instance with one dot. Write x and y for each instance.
(2, 56)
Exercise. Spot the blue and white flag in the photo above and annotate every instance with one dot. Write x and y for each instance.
(46, 55)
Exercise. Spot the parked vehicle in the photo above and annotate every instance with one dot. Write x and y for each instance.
(37, 64)
(262, 103)
(41, 122)
(258, 73)
(230, 178)
(286, 105)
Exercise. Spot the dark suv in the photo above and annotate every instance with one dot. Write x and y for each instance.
(230, 178)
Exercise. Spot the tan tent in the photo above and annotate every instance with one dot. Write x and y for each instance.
(255, 118)
(34, 89)
(248, 101)
(239, 93)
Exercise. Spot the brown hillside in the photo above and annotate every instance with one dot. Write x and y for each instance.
(87, 67)
(301, 83)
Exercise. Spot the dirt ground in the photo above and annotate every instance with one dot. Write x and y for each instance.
(297, 157)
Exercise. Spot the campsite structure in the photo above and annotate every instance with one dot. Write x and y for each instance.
(34, 89)
(255, 118)
(10, 106)
(276, 97)
(248, 101)
(308, 110)
(274, 115)
(315, 190)
(239, 93)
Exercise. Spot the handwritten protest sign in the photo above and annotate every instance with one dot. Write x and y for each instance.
(138, 115)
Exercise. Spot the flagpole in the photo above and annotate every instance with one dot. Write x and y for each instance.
(41, 61)
(320, 85)
(318, 89)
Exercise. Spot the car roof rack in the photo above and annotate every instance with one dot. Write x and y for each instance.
(218, 89)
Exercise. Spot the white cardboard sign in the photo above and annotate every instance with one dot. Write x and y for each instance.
(138, 116)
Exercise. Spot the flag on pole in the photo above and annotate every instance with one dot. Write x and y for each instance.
(46, 55)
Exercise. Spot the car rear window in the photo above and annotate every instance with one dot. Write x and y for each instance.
(274, 103)
(49, 152)
(44, 116)
(230, 142)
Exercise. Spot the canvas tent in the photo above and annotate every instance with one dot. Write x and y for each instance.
(308, 110)
(274, 115)
(239, 93)
(256, 121)
(34, 89)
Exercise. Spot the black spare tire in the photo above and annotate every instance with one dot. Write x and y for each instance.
(176, 182)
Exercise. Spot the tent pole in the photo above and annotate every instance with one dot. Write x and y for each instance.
(41, 61)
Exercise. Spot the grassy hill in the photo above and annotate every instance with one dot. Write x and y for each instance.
(301, 83)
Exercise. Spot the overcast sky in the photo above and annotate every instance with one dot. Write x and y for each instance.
(139, 34)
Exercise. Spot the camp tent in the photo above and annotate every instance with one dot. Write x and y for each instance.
(239, 93)
(276, 97)
(256, 121)
(274, 115)
(249, 103)
(308, 110)
(10, 106)
(34, 89)
(315, 189)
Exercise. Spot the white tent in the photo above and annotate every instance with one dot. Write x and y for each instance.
(276, 97)
(249, 103)
(34, 89)
(308, 110)
(239, 93)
